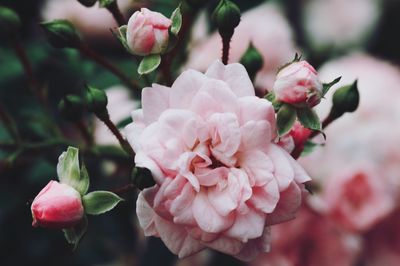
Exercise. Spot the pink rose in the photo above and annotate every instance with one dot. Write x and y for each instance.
(57, 206)
(358, 199)
(220, 179)
(147, 32)
(298, 83)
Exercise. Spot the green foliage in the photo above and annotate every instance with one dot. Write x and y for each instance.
(285, 119)
(308, 118)
(74, 234)
(69, 173)
(149, 64)
(327, 86)
(99, 202)
(176, 19)
(61, 33)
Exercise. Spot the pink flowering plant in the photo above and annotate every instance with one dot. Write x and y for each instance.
(200, 158)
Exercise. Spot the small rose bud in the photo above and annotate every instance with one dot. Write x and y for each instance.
(61, 34)
(345, 99)
(252, 60)
(71, 107)
(57, 206)
(227, 17)
(147, 32)
(298, 84)
(9, 23)
(96, 101)
(87, 3)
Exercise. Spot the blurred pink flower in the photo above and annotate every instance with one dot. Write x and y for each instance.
(383, 242)
(221, 181)
(357, 199)
(57, 206)
(367, 138)
(298, 84)
(267, 29)
(92, 22)
(310, 240)
(338, 24)
(147, 32)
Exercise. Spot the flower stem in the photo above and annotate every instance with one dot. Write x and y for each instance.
(225, 50)
(33, 83)
(122, 141)
(86, 50)
(116, 12)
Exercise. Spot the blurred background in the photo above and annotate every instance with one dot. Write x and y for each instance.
(357, 167)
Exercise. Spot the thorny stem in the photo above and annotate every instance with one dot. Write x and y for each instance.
(9, 124)
(124, 189)
(86, 50)
(116, 12)
(122, 141)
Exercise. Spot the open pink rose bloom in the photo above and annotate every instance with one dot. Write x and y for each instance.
(220, 179)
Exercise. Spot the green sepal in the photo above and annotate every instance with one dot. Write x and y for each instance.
(308, 118)
(149, 64)
(120, 34)
(74, 234)
(285, 119)
(176, 19)
(297, 58)
(327, 86)
(98, 202)
(69, 173)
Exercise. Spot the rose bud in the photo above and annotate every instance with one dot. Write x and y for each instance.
(57, 206)
(147, 32)
(298, 84)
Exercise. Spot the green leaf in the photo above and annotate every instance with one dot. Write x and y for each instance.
(309, 147)
(176, 19)
(327, 86)
(308, 118)
(69, 173)
(74, 234)
(285, 119)
(99, 202)
(149, 64)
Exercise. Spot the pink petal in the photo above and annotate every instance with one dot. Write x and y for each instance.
(300, 175)
(233, 74)
(284, 172)
(256, 246)
(145, 212)
(177, 239)
(142, 160)
(185, 88)
(265, 198)
(247, 226)
(225, 245)
(207, 217)
(254, 108)
(155, 100)
(258, 167)
(256, 135)
(287, 207)
(210, 177)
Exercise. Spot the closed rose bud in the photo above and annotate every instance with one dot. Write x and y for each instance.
(298, 84)
(57, 206)
(147, 32)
